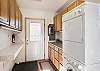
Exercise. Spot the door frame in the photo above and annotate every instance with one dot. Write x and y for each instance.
(26, 33)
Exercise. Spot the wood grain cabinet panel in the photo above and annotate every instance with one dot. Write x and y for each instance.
(60, 58)
(64, 11)
(12, 13)
(20, 20)
(52, 56)
(49, 52)
(4, 11)
(79, 2)
(56, 55)
(55, 22)
(57, 64)
(58, 22)
(17, 17)
(72, 6)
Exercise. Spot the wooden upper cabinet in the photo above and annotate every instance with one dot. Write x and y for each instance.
(72, 6)
(4, 11)
(20, 20)
(79, 2)
(58, 22)
(64, 11)
(12, 13)
(55, 22)
(17, 16)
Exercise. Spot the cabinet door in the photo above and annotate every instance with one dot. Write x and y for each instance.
(4, 11)
(56, 63)
(12, 13)
(55, 22)
(60, 58)
(17, 17)
(49, 52)
(79, 2)
(59, 22)
(56, 55)
(20, 20)
(52, 56)
(72, 6)
(64, 11)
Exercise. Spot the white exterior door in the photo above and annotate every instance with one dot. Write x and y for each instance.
(34, 40)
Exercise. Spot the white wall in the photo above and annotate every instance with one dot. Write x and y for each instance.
(5, 38)
(39, 14)
(6, 42)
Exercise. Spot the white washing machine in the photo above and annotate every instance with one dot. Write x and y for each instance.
(71, 64)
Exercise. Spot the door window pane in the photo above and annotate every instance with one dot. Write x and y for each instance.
(35, 31)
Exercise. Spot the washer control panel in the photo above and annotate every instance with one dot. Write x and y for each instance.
(72, 64)
(73, 13)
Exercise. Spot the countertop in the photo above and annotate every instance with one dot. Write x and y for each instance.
(11, 52)
(57, 43)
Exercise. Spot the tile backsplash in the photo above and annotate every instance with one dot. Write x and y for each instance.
(59, 35)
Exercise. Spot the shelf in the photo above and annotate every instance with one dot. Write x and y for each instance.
(10, 53)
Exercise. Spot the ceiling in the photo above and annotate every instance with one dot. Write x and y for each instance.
(47, 5)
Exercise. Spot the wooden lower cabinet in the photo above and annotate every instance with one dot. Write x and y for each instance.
(60, 58)
(52, 55)
(56, 63)
(49, 52)
(56, 56)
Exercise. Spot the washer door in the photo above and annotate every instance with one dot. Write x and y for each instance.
(70, 68)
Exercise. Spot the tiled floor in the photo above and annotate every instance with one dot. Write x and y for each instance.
(45, 66)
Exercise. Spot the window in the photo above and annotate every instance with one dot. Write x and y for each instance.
(35, 31)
